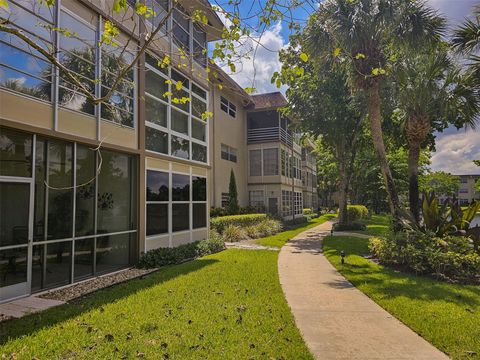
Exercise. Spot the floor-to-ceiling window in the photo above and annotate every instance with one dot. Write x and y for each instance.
(83, 209)
(175, 124)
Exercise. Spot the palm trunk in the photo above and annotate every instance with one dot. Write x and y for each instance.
(342, 191)
(413, 193)
(416, 131)
(374, 116)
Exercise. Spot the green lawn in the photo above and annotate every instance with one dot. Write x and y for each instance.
(280, 239)
(223, 306)
(446, 315)
(377, 225)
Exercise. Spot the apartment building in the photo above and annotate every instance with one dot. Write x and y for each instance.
(85, 188)
(252, 139)
(467, 191)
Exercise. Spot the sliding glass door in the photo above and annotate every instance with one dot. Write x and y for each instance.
(15, 238)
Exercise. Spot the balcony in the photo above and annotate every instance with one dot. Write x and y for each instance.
(269, 134)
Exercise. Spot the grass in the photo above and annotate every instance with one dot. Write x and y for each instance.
(278, 240)
(224, 306)
(377, 225)
(445, 314)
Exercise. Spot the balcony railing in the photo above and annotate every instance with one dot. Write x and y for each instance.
(269, 134)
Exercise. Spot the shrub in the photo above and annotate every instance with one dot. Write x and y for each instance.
(356, 212)
(307, 211)
(449, 257)
(269, 227)
(220, 223)
(169, 256)
(233, 233)
(215, 212)
(351, 226)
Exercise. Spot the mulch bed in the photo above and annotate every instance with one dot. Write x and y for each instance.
(89, 286)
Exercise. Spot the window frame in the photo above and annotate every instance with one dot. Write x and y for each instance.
(228, 107)
(171, 107)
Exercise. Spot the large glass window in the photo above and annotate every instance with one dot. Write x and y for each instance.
(116, 193)
(21, 68)
(103, 184)
(15, 153)
(85, 191)
(156, 140)
(181, 28)
(180, 187)
(78, 55)
(157, 202)
(120, 106)
(255, 162)
(186, 116)
(256, 199)
(180, 217)
(199, 44)
(270, 162)
(59, 166)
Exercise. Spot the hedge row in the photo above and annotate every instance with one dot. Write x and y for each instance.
(176, 255)
(220, 223)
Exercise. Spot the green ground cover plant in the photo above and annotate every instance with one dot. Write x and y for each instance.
(223, 306)
(447, 315)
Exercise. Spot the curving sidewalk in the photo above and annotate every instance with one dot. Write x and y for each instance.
(338, 321)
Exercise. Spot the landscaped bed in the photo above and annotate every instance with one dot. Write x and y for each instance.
(447, 315)
(280, 239)
(222, 306)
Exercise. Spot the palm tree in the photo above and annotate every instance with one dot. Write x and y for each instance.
(466, 40)
(363, 36)
(432, 94)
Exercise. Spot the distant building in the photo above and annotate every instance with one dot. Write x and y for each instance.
(275, 172)
(467, 192)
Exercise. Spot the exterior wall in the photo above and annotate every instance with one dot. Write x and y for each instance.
(229, 131)
(43, 119)
(467, 192)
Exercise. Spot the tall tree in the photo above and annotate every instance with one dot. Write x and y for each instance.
(363, 36)
(433, 93)
(321, 101)
(466, 40)
(440, 182)
(232, 206)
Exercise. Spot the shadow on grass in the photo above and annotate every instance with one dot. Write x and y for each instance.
(391, 283)
(27, 325)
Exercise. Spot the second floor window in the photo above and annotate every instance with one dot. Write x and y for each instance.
(181, 28)
(229, 153)
(255, 162)
(228, 107)
(270, 162)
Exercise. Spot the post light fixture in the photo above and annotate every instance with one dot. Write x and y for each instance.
(342, 254)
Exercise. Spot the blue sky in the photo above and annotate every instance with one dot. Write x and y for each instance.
(455, 149)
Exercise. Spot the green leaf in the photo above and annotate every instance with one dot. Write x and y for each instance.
(359, 56)
(250, 90)
(336, 52)
(304, 57)
(4, 4)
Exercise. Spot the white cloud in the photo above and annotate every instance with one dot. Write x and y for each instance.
(455, 152)
(260, 60)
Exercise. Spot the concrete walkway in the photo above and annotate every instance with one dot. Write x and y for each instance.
(338, 321)
(27, 305)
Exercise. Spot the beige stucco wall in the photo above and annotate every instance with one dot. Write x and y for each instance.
(25, 110)
(230, 131)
